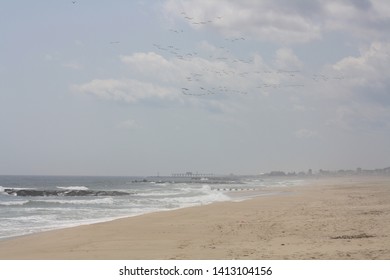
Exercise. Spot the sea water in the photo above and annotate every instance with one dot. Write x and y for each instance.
(92, 200)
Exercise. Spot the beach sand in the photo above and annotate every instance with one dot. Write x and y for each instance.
(346, 218)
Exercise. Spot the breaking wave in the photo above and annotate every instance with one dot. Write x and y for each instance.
(74, 188)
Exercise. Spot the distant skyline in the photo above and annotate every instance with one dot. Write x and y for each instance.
(169, 86)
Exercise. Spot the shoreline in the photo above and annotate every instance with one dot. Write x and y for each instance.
(234, 195)
(324, 219)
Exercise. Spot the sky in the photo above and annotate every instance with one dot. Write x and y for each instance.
(160, 87)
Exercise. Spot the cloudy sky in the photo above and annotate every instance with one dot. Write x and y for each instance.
(146, 87)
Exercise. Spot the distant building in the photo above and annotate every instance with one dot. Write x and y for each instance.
(276, 173)
(192, 175)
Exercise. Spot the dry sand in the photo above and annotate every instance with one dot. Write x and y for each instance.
(326, 219)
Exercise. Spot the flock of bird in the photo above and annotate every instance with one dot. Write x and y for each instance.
(191, 20)
(223, 73)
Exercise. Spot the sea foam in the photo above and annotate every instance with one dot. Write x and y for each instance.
(74, 188)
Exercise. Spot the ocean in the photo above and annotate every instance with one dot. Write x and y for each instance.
(31, 204)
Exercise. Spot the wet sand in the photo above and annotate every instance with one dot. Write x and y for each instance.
(346, 218)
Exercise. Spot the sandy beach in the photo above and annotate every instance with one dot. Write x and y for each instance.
(347, 218)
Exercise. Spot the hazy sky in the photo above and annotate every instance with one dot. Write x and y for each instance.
(140, 87)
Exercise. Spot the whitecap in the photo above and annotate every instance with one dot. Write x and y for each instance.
(106, 200)
(14, 203)
(74, 188)
(206, 188)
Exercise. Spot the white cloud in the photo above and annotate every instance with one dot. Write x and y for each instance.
(365, 19)
(217, 81)
(368, 74)
(372, 62)
(150, 59)
(208, 77)
(286, 59)
(260, 20)
(362, 78)
(215, 71)
(127, 90)
(286, 21)
(154, 66)
(358, 98)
